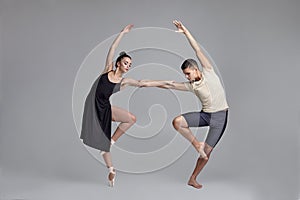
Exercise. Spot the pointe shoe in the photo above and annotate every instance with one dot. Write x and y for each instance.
(111, 182)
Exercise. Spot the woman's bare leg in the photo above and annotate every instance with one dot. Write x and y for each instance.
(125, 118)
(107, 159)
(108, 162)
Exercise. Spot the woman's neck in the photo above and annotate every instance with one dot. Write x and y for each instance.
(118, 73)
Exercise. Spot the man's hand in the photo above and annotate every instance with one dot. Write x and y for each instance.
(179, 26)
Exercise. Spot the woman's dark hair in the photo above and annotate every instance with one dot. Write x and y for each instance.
(123, 54)
(189, 63)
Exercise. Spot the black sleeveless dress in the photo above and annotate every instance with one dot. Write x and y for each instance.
(97, 116)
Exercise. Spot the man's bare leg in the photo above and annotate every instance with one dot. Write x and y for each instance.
(201, 162)
(182, 127)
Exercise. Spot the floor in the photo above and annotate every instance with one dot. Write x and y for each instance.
(131, 186)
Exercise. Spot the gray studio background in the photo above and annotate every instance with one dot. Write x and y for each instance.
(255, 45)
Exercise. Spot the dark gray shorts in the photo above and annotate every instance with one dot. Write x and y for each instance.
(216, 121)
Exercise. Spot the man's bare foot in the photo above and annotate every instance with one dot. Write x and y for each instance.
(199, 146)
(194, 184)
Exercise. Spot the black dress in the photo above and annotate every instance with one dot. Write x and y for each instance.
(97, 116)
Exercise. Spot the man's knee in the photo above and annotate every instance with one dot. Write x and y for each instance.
(208, 149)
(177, 122)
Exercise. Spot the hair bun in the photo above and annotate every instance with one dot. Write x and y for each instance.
(122, 53)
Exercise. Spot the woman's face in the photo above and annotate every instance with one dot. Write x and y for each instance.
(124, 64)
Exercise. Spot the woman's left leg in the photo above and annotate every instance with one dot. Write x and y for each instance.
(125, 118)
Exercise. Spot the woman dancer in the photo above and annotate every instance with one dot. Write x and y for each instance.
(98, 112)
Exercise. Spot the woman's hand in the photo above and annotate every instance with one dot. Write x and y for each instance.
(109, 58)
(179, 26)
(127, 28)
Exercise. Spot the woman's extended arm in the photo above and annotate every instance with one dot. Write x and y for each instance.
(109, 59)
(163, 84)
(153, 83)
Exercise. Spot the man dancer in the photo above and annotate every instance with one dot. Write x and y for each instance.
(207, 87)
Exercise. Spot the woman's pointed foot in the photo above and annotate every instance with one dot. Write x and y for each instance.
(111, 176)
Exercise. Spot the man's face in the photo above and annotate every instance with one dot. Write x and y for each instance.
(190, 73)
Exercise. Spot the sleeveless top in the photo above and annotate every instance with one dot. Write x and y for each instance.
(97, 117)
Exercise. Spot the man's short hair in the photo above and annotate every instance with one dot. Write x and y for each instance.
(191, 63)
